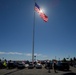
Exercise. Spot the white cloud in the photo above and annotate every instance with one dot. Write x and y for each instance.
(37, 55)
(16, 53)
(2, 52)
(28, 54)
(44, 56)
(25, 54)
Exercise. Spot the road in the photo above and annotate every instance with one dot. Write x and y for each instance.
(35, 71)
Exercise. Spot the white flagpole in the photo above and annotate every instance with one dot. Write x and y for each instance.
(33, 36)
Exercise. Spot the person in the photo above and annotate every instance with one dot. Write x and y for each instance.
(48, 65)
(54, 64)
(5, 64)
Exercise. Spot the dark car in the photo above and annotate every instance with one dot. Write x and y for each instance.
(1, 65)
(74, 65)
(43, 62)
(20, 66)
(11, 65)
(63, 66)
(38, 66)
(31, 66)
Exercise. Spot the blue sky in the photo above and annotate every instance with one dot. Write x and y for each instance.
(57, 37)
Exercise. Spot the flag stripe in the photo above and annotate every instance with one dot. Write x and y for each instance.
(44, 17)
(37, 10)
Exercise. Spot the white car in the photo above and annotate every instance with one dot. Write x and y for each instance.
(38, 66)
(26, 65)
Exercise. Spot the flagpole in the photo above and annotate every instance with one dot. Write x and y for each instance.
(33, 36)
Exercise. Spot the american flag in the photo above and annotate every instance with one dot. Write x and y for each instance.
(40, 12)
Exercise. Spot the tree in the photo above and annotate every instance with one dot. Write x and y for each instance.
(0, 59)
(64, 60)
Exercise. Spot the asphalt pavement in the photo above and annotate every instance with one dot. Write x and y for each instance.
(35, 71)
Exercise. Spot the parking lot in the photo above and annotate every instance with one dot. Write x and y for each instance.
(35, 71)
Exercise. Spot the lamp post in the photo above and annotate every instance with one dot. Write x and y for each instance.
(35, 58)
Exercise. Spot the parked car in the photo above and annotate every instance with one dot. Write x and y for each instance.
(63, 66)
(71, 64)
(1, 65)
(43, 62)
(20, 66)
(11, 65)
(38, 66)
(31, 66)
(26, 65)
(74, 65)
